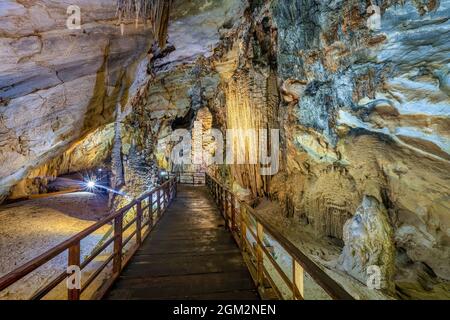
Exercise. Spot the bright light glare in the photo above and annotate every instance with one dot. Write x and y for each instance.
(90, 184)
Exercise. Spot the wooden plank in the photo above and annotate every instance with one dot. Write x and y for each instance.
(259, 253)
(184, 286)
(193, 234)
(189, 255)
(74, 261)
(298, 276)
(227, 295)
(138, 223)
(184, 265)
(118, 237)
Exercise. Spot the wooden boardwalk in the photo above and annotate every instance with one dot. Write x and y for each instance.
(189, 255)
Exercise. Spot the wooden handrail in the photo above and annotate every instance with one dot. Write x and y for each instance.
(200, 176)
(225, 200)
(73, 244)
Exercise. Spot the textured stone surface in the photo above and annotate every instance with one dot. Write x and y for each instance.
(197, 27)
(374, 110)
(91, 152)
(368, 238)
(56, 84)
(364, 115)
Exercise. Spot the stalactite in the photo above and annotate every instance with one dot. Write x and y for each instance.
(251, 105)
(116, 156)
(157, 11)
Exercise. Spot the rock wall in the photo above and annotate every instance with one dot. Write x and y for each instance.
(58, 85)
(371, 118)
(90, 153)
(363, 113)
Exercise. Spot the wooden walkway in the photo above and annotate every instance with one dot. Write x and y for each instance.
(189, 255)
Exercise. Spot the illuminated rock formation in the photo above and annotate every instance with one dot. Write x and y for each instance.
(58, 85)
(363, 114)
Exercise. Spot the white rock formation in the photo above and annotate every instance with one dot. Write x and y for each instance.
(368, 238)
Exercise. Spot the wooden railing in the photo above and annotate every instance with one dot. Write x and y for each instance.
(261, 244)
(190, 178)
(147, 210)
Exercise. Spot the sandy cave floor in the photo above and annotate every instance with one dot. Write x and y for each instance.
(29, 228)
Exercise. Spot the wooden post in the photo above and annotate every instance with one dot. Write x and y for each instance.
(217, 195)
(173, 191)
(166, 195)
(243, 230)
(150, 211)
(176, 187)
(224, 204)
(74, 260)
(298, 278)
(233, 213)
(162, 197)
(169, 193)
(225, 209)
(158, 201)
(163, 207)
(221, 199)
(139, 223)
(117, 262)
(260, 254)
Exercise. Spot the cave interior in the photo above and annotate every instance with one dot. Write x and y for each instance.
(352, 97)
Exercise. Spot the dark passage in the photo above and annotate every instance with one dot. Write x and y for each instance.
(190, 255)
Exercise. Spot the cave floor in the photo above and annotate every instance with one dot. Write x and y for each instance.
(29, 228)
(189, 255)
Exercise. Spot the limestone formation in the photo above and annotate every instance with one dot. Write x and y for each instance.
(57, 85)
(363, 112)
(368, 238)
